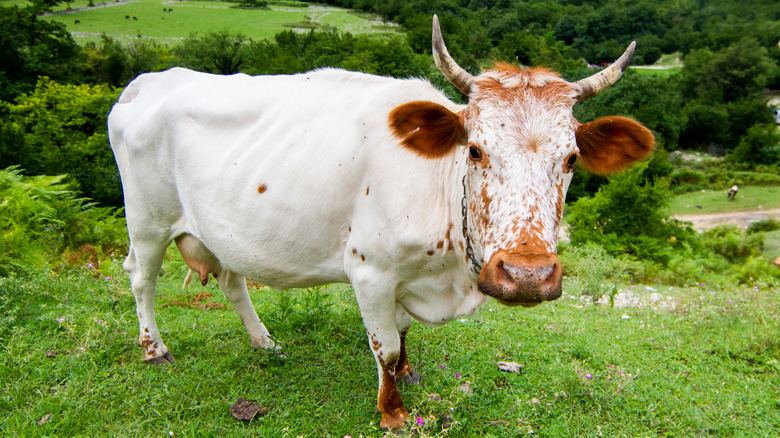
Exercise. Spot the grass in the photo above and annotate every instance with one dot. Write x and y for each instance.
(201, 16)
(665, 72)
(706, 364)
(715, 201)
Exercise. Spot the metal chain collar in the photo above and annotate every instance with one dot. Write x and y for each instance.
(476, 267)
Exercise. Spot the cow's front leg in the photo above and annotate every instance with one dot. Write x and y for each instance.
(378, 309)
(389, 402)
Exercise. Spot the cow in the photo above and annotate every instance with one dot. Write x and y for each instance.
(427, 207)
(732, 193)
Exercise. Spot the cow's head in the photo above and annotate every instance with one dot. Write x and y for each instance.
(521, 142)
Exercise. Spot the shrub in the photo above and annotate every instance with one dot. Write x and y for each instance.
(765, 225)
(687, 177)
(61, 129)
(729, 242)
(756, 269)
(629, 216)
(760, 145)
(41, 216)
(593, 265)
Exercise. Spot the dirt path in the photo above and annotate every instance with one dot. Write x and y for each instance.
(700, 222)
(739, 218)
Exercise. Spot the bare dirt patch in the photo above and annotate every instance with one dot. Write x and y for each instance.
(741, 219)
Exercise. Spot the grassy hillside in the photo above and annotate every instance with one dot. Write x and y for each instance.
(149, 19)
(715, 201)
(672, 362)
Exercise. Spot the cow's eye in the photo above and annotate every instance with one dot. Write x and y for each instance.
(475, 154)
(570, 162)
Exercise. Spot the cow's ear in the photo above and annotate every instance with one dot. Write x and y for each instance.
(610, 144)
(427, 128)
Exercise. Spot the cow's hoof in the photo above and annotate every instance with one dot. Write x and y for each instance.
(268, 345)
(410, 378)
(398, 432)
(395, 422)
(394, 427)
(165, 359)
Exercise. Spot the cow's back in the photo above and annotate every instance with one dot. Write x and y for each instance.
(268, 172)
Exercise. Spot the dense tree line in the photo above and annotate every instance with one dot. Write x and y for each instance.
(57, 124)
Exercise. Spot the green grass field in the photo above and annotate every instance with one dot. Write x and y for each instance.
(148, 20)
(703, 362)
(715, 201)
(658, 71)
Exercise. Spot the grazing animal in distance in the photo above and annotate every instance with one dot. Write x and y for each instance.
(427, 207)
(732, 195)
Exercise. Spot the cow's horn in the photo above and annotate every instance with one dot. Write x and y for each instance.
(447, 66)
(593, 85)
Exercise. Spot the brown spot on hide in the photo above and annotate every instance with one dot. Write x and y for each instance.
(354, 251)
(362, 257)
(430, 252)
(427, 128)
(509, 82)
(349, 230)
(262, 188)
(610, 144)
(440, 245)
(375, 344)
(366, 191)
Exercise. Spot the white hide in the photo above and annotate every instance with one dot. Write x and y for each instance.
(341, 201)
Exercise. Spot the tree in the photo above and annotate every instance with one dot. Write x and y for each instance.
(743, 69)
(30, 47)
(61, 129)
(117, 63)
(214, 52)
(652, 99)
(760, 145)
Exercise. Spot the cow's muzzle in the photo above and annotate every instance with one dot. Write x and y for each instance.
(521, 279)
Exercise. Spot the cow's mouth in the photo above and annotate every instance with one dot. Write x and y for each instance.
(526, 304)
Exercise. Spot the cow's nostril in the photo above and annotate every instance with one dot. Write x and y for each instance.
(533, 274)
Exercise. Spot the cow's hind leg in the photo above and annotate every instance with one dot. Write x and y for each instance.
(403, 370)
(200, 259)
(143, 265)
(234, 287)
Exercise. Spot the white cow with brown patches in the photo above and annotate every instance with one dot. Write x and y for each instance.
(333, 176)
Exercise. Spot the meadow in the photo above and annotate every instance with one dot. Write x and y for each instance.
(664, 361)
(172, 21)
(715, 201)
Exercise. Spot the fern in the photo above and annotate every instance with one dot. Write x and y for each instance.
(41, 216)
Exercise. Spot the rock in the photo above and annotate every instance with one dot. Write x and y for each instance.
(510, 367)
(246, 410)
(44, 420)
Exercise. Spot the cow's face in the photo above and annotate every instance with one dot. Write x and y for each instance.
(521, 142)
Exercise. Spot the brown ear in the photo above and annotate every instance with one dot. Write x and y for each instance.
(427, 128)
(610, 144)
